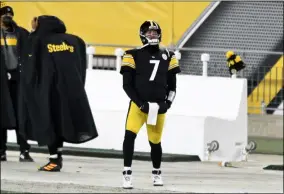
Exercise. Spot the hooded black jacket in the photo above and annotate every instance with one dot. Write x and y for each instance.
(12, 118)
(54, 79)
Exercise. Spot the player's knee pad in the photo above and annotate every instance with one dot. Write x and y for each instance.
(129, 135)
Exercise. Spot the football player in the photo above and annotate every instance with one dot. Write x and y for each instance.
(149, 76)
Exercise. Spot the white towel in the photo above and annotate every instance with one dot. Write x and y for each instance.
(153, 114)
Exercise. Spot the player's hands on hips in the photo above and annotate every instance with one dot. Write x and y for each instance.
(163, 107)
(145, 107)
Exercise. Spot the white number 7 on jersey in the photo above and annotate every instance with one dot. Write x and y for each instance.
(154, 72)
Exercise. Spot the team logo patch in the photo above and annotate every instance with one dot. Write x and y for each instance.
(164, 56)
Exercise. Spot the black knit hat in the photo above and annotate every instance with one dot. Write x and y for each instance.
(6, 9)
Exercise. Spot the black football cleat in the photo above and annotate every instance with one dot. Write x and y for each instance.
(25, 157)
(3, 158)
(54, 165)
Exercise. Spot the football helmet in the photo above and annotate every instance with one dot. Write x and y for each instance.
(150, 33)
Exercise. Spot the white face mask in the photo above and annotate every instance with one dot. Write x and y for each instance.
(153, 41)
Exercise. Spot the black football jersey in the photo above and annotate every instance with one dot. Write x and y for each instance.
(151, 72)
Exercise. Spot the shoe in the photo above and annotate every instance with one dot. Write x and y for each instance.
(25, 157)
(3, 157)
(157, 178)
(54, 165)
(127, 179)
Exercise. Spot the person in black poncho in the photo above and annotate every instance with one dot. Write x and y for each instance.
(55, 79)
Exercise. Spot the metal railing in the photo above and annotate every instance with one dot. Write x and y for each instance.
(266, 90)
(265, 86)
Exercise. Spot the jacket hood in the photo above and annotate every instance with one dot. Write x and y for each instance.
(50, 24)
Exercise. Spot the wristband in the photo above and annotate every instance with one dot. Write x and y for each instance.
(171, 96)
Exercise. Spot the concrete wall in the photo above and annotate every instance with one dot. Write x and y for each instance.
(267, 132)
(265, 126)
(191, 102)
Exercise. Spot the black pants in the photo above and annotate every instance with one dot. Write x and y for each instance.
(54, 148)
(13, 87)
(24, 146)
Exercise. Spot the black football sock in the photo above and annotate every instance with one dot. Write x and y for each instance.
(55, 150)
(156, 154)
(59, 148)
(128, 147)
(59, 152)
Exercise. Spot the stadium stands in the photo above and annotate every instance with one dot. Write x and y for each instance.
(245, 26)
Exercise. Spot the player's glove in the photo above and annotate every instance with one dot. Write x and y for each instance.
(170, 98)
(145, 107)
(169, 103)
(163, 107)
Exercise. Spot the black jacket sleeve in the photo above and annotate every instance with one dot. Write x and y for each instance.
(32, 68)
(23, 40)
(128, 78)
